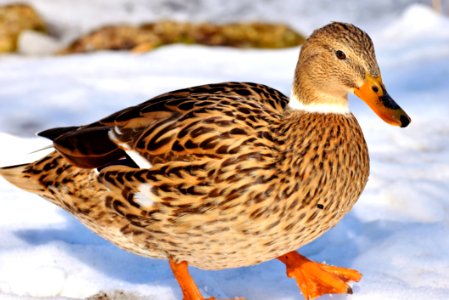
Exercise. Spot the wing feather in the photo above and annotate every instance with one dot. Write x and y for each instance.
(206, 120)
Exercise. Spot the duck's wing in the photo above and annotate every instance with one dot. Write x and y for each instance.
(206, 120)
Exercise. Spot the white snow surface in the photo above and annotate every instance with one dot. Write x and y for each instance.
(397, 235)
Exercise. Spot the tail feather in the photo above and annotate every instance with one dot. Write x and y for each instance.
(85, 146)
(18, 176)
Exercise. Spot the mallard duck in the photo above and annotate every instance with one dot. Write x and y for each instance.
(230, 174)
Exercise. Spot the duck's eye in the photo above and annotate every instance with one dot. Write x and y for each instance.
(340, 54)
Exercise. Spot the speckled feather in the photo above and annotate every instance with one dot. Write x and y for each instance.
(236, 179)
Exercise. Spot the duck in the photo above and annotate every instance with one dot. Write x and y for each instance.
(227, 175)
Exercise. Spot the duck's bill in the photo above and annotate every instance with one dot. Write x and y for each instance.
(375, 95)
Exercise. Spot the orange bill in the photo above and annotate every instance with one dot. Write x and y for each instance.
(375, 95)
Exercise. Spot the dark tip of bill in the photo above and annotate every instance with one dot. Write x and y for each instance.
(405, 120)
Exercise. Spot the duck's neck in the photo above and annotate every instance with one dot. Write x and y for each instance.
(314, 93)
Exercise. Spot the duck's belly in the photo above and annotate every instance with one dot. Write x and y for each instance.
(218, 239)
(234, 233)
(221, 245)
(226, 229)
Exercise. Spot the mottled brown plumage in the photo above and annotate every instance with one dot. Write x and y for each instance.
(235, 175)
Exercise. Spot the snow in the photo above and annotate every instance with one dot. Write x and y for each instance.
(397, 235)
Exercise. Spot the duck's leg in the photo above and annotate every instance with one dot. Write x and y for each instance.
(189, 289)
(315, 279)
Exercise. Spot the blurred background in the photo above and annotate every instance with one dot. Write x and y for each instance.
(66, 20)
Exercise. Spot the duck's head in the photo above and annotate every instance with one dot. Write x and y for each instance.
(335, 60)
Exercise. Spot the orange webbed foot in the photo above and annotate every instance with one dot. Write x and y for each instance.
(316, 279)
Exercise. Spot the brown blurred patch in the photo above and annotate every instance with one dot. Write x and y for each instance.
(152, 35)
(15, 18)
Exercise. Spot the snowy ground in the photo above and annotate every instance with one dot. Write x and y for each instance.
(397, 235)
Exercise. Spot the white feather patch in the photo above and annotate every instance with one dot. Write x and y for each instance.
(144, 197)
(140, 161)
(334, 107)
(117, 130)
(113, 137)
